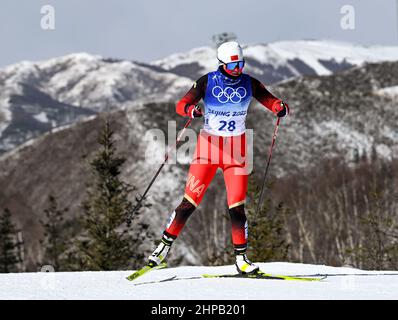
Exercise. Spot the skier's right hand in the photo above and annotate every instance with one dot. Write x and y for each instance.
(193, 111)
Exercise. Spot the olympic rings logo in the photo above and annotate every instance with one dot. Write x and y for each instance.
(229, 94)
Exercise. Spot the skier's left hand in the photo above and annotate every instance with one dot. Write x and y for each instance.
(281, 109)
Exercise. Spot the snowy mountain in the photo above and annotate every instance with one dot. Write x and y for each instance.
(36, 97)
(332, 116)
(341, 284)
(282, 60)
(348, 114)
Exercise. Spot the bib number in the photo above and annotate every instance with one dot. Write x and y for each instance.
(230, 126)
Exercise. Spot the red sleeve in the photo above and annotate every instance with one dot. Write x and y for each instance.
(265, 97)
(193, 96)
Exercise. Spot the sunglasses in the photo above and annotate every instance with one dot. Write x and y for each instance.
(234, 65)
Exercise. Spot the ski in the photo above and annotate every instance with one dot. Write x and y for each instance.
(263, 275)
(158, 281)
(144, 270)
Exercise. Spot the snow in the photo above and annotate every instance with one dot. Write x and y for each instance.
(5, 117)
(204, 56)
(347, 137)
(312, 51)
(82, 79)
(11, 86)
(42, 117)
(391, 92)
(342, 283)
(279, 53)
(390, 133)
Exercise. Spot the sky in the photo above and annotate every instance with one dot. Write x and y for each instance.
(146, 30)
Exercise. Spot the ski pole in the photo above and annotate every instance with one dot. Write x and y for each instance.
(166, 157)
(260, 200)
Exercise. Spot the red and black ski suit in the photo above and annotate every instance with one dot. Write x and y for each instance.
(221, 144)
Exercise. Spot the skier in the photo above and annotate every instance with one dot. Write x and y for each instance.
(226, 94)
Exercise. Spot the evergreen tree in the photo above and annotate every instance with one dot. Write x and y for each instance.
(379, 247)
(55, 235)
(10, 247)
(106, 243)
(267, 238)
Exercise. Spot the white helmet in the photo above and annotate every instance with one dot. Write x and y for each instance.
(229, 52)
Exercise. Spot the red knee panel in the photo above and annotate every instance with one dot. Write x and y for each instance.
(236, 185)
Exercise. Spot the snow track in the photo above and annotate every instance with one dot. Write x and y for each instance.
(342, 283)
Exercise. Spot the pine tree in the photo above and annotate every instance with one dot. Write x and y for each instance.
(55, 235)
(10, 247)
(379, 247)
(266, 228)
(106, 243)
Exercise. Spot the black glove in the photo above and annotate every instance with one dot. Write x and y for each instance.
(284, 110)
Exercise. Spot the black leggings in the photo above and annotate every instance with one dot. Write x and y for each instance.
(181, 214)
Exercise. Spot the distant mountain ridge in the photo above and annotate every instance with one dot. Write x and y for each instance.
(36, 97)
(277, 61)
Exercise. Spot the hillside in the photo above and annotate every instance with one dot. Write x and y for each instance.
(36, 97)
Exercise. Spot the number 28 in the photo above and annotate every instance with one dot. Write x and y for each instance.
(230, 125)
